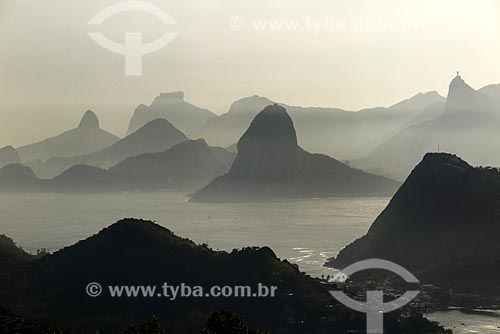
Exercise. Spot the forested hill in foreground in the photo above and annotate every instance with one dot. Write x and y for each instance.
(138, 252)
(443, 224)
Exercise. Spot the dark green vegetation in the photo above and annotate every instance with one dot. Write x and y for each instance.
(443, 224)
(14, 268)
(227, 321)
(150, 326)
(11, 323)
(51, 288)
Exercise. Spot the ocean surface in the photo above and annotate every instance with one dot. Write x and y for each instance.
(304, 232)
(462, 323)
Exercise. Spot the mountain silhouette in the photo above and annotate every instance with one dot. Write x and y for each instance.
(187, 166)
(89, 121)
(172, 107)
(444, 212)
(9, 155)
(226, 129)
(142, 253)
(86, 138)
(492, 91)
(83, 179)
(469, 127)
(14, 266)
(16, 177)
(268, 149)
(157, 135)
(332, 131)
(269, 164)
(429, 113)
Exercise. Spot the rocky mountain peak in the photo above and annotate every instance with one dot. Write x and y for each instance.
(89, 121)
(269, 146)
(9, 155)
(459, 89)
(169, 98)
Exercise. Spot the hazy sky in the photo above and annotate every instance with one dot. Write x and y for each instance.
(349, 54)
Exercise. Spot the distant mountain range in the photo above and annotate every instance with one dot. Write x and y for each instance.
(366, 137)
(9, 155)
(88, 137)
(172, 107)
(332, 131)
(363, 137)
(187, 166)
(442, 224)
(491, 90)
(383, 141)
(155, 136)
(136, 252)
(270, 165)
(469, 126)
(16, 177)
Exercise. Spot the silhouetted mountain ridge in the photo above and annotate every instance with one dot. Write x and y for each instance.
(172, 107)
(446, 210)
(9, 155)
(155, 136)
(89, 121)
(332, 131)
(138, 252)
(84, 139)
(187, 166)
(269, 164)
(492, 90)
(468, 127)
(16, 177)
(14, 267)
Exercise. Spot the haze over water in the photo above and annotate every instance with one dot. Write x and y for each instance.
(304, 232)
